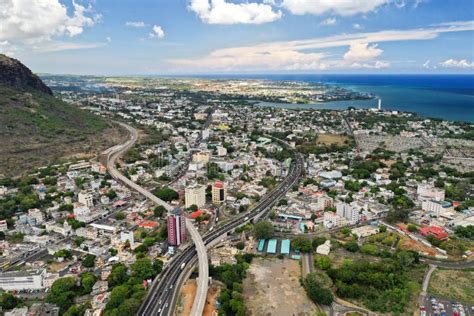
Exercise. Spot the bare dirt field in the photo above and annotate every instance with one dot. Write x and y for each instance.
(272, 288)
(187, 297)
(328, 139)
(453, 284)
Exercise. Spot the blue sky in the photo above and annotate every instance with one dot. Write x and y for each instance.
(153, 37)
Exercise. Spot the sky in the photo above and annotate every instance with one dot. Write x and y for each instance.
(173, 37)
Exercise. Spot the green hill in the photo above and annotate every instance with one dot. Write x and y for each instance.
(37, 129)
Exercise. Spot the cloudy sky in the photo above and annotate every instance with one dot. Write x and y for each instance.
(133, 37)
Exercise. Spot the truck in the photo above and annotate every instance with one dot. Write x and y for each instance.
(182, 265)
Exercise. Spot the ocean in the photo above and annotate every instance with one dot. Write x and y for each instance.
(450, 97)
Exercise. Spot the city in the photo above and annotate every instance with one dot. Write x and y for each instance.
(236, 158)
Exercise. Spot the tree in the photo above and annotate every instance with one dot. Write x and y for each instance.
(317, 241)
(158, 211)
(89, 261)
(346, 231)
(193, 208)
(351, 246)
(143, 269)
(302, 244)
(62, 293)
(118, 275)
(157, 266)
(8, 301)
(120, 216)
(118, 295)
(79, 240)
(111, 194)
(412, 228)
(166, 194)
(315, 290)
(322, 262)
(382, 228)
(264, 230)
(87, 281)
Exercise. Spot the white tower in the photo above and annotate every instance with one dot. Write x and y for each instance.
(379, 107)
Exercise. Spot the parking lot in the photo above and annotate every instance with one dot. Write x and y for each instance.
(439, 306)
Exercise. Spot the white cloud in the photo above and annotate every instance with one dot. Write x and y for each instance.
(452, 63)
(426, 64)
(55, 46)
(362, 51)
(223, 12)
(357, 26)
(157, 31)
(339, 7)
(26, 20)
(310, 55)
(329, 22)
(135, 24)
(108, 39)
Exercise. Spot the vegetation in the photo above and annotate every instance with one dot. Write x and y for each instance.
(302, 244)
(231, 298)
(263, 230)
(166, 194)
(316, 289)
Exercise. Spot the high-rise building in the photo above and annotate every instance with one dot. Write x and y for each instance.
(176, 227)
(86, 198)
(218, 192)
(348, 212)
(196, 195)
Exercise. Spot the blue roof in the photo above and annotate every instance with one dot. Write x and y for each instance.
(272, 245)
(261, 243)
(285, 247)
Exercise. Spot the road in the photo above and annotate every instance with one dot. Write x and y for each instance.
(112, 156)
(162, 291)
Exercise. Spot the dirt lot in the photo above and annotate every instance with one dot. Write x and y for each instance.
(187, 297)
(453, 284)
(272, 288)
(328, 139)
(410, 244)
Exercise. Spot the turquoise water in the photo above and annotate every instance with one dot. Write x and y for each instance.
(449, 97)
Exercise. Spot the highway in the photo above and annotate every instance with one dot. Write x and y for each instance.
(112, 155)
(163, 291)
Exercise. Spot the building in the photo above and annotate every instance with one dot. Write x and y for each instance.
(81, 212)
(22, 280)
(435, 231)
(195, 195)
(324, 249)
(221, 151)
(3, 226)
(429, 192)
(203, 156)
(348, 212)
(127, 236)
(176, 227)
(324, 201)
(218, 192)
(36, 215)
(86, 198)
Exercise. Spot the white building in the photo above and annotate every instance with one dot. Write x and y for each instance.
(221, 151)
(81, 212)
(203, 156)
(3, 226)
(37, 215)
(127, 236)
(86, 198)
(195, 195)
(348, 212)
(325, 248)
(22, 280)
(429, 192)
(331, 220)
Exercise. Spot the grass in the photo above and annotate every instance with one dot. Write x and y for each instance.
(456, 285)
(328, 139)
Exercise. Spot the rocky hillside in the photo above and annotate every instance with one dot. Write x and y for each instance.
(14, 74)
(37, 129)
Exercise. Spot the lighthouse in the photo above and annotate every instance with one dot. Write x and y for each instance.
(379, 107)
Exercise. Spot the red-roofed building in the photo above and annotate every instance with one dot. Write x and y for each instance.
(148, 224)
(196, 214)
(436, 231)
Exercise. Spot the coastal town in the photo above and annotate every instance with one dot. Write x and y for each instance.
(380, 213)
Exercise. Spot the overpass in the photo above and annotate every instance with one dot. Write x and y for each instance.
(112, 155)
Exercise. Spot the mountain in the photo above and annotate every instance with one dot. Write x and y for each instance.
(14, 74)
(37, 129)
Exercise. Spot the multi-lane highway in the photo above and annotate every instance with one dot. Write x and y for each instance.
(161, 295)
(112, 155)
